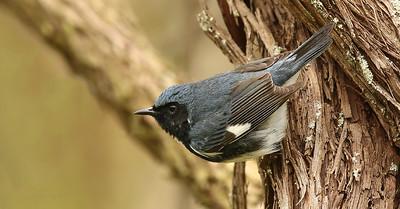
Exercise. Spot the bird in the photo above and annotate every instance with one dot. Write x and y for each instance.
(239, 114)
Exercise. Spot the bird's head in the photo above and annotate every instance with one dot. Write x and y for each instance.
(171, 111)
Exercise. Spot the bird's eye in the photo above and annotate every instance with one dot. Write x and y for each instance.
(172, 109)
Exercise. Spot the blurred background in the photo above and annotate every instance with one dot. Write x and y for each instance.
(60, 148)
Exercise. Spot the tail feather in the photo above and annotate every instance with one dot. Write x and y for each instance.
(316, 44)
(306, 52)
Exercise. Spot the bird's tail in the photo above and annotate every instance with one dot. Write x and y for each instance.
(306, 52)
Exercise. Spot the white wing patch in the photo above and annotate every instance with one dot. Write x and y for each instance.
(238, 129)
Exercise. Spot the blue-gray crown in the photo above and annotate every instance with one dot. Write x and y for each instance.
(175, 93)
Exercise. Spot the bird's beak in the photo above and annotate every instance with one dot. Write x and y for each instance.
(147, 111)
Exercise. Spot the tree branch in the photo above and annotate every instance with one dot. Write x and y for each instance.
(103, 44)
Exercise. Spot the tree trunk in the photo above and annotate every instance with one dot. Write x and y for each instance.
(340, 149)
(343, 136)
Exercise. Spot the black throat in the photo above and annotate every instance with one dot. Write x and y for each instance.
(176, 124)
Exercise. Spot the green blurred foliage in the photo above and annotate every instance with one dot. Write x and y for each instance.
(59, 148)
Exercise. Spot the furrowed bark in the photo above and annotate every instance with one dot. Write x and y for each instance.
(342, 144)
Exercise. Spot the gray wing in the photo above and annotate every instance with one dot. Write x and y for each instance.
(253, 101)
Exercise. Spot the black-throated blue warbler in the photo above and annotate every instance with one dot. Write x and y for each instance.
(240, 114)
